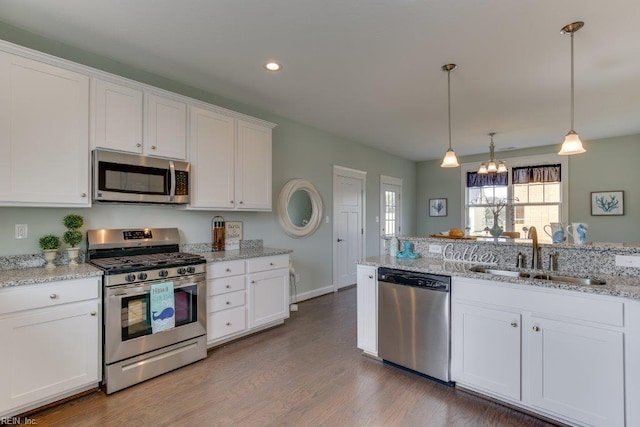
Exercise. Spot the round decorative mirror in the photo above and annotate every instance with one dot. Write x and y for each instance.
(299, 208)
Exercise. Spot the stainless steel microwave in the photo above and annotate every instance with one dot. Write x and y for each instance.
(130, 178)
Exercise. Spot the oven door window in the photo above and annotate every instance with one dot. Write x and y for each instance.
(122, 178)
(136, 314)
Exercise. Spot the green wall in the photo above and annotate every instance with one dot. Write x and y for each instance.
(299, 151)
(608, 164)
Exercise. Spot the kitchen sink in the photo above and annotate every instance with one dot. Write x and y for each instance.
(498, 272)
(537, 276)
(568, 279)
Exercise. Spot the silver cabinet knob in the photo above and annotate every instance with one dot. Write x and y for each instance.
(228, 286)
(271, 263)
(138, 145)
(53, 296)
(536, 329)
(228, 323)
(370, 276)
(253, 281)
(340, 240)
(514, 324)
(231, 201)
(228, 302)
(153, 147)
(241, 202)
(93, 313)
(83, 195)
(228, 270)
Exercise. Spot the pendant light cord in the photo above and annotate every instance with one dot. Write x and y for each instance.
(449, 97)
(572, 112)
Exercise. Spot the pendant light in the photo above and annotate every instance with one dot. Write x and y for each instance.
(572, 144)
(490, 166)
(450, 160)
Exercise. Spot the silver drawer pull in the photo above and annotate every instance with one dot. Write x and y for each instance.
(153, 147)
(514, 324)
(228, 323)
(370, 276)
(53, 296)
(228, 270)
(253, 281)
(270, 263)
(93, 313)
(138, 145)
(83, 195)
(228, 286)
(536, 329)
(228, 302)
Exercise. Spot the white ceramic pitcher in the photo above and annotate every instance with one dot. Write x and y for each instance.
(578, 230)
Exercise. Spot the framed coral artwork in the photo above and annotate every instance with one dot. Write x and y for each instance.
(437, 207)
(607, 203)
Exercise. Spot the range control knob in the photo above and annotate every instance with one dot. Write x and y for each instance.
(163, 273)
(130, 277)
(182, 270)
(191, 270)
(142, 276)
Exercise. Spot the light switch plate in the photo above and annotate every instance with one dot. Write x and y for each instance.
(628, 261)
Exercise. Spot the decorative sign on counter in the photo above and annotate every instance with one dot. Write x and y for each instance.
(233, 233)
(468, 254)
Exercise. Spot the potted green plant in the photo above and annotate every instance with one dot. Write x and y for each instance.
(50, 244)
(73, 236)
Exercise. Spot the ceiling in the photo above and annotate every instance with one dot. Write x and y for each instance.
(370, 70)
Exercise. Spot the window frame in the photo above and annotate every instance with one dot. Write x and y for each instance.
(524, 161)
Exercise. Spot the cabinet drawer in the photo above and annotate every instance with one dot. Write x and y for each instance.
(225, 285)
(226, 322)
(267, 263)
(46, 295)
(226, 301)
(224, 269)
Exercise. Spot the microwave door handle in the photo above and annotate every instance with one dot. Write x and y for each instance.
(172, 177)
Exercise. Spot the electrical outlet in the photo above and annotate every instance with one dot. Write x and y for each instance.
(22, 231)
(628, 261)
(435, 249)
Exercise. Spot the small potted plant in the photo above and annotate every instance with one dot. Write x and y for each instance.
(50, 245)
(73, 236)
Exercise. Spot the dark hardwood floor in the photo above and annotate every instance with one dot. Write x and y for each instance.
(305, 373)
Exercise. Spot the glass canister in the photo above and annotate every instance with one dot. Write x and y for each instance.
(217, 233)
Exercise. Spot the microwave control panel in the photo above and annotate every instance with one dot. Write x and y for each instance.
(182, 183)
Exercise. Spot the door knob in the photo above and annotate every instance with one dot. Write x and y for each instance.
(340, 240)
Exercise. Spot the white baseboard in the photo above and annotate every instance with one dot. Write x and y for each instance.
(314, 293)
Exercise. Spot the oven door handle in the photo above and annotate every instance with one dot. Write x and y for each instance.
(133, 290)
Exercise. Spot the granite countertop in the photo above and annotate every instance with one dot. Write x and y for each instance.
(626, 287)
(29, 276)
(241, 254)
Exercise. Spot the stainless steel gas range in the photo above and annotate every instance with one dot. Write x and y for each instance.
(154, 311)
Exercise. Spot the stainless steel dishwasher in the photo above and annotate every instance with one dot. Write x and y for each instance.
(414, 321)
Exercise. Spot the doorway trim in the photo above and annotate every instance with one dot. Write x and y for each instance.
(354, 174)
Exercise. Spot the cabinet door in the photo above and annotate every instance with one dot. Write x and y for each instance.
(577, 371)
(367, 306)
(212, 155)
(117, 115)
(166, 127)
(268, 296)
(486, 350)
(253, 185)
(48, 352)
(44, 134)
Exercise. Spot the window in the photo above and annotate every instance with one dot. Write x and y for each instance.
(532, 190)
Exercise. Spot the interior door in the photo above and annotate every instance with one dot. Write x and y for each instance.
(348, 226)
(390, 209)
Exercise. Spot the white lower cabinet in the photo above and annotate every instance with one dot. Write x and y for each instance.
(244, 296)
(367, 307)
(557, 353)
(490, 344)
(51, 343)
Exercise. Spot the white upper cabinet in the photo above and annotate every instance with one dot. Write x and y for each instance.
(212, 154)
(121, 112)
(165, 127)
(253, 189)
(44, 134)
(231, 162)
(117, 117)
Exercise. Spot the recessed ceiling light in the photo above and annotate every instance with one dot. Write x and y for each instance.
(273, 66)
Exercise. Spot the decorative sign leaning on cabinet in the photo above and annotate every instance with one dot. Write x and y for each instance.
(233, 233)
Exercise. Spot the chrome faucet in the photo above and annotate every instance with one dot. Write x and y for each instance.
(535, 253)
